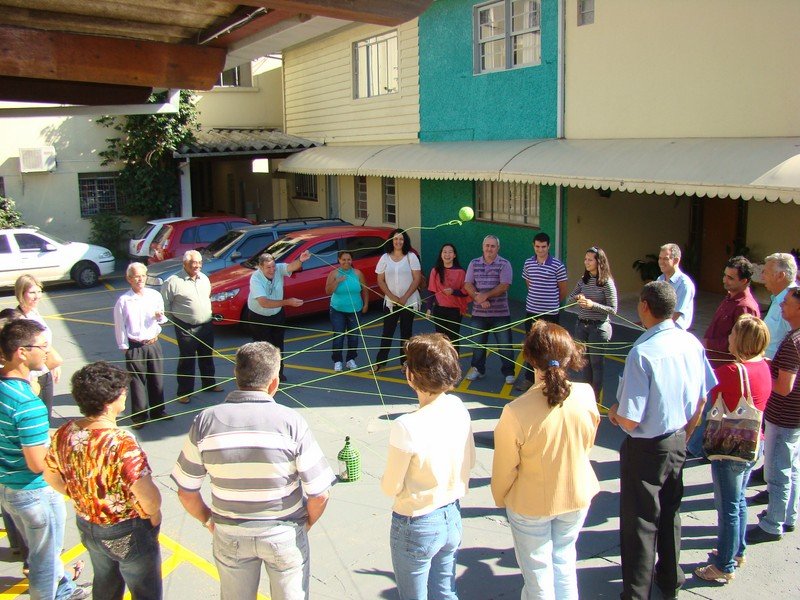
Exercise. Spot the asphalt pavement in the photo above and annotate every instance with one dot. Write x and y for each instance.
(350, 544)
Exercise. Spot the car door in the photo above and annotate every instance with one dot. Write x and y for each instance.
(39, 256)
(308, 283)
(366, 250)
(9, 260)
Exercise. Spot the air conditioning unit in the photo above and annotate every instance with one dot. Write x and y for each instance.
(37, 160)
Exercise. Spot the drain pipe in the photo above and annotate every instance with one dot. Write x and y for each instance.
(560, 122)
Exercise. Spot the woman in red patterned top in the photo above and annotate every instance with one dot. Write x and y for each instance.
(105, 472)
(449, 300)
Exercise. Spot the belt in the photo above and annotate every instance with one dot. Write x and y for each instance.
(140, 343)
(592, 321)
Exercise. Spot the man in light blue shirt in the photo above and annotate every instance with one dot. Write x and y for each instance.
(779, 275)
(669, 260)
(661, 396)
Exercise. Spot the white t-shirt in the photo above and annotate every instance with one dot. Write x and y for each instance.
(399, 276)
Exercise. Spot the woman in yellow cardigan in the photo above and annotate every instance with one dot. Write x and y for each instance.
(541, 472)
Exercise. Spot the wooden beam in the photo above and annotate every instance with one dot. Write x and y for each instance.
(224, 40)
(86, 58)
(379, 12)
(24, 89)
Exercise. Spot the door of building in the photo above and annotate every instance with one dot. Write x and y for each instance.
(719, 235)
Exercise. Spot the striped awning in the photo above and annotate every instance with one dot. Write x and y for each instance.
(748, 168)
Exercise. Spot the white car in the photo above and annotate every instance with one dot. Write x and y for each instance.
(28, 250)
(139, 246)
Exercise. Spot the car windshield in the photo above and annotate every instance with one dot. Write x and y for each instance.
(54, 238)
(143, 231)
(219, 246)
(279, 249)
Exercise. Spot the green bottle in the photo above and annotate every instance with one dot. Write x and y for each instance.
(349, 462)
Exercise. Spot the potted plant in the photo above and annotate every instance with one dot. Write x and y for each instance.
(648, 267)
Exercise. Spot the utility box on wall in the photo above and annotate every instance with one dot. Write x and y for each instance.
(37, 160)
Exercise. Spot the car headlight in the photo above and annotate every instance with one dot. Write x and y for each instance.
(106, 254)
(222, 296)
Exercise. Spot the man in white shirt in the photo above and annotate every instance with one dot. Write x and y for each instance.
(138, 316)
(669, 260)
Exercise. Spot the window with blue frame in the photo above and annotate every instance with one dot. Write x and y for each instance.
(507, 35)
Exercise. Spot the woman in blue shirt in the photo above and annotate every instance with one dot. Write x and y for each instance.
(349, 294)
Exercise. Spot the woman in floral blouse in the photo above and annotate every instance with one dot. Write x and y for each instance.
(105, 472)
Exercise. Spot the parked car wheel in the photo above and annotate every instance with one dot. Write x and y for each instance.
(86, 274)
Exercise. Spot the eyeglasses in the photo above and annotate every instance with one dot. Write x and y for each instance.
(42, 347)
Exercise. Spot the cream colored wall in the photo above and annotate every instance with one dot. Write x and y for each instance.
(717, 68)
(257, 106)
(626, 226)
(408, 204)
(319, 103)
(771, 227)
(50, 200)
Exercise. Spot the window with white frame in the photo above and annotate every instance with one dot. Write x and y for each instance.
(305, 187)
(507, 202)
(241, 76)
(98, 193)
(390, 200)
(361, 197)
(507, 35)
(375, 66)
(585, 12)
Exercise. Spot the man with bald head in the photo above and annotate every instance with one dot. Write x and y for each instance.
(187, 303)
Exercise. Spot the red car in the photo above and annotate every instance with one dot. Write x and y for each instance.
(173, 239)
(230, 287)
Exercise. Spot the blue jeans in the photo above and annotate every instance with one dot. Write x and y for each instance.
(341, 322)
(281, 546)
(545, 550)
(782, 472)
(424, 553)
(730, 484)
(481, 327)
(126, 553)
(40, 515)
(594, 334)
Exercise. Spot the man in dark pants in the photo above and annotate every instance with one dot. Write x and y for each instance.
(187, 302)
(546, 279)
(660, 399)
(138, 316)
(266, 301)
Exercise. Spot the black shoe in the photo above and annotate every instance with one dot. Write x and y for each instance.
(760, 498)
(671, 595)
(282, 377)
(757, 477)
(786, 527)
(756, 535)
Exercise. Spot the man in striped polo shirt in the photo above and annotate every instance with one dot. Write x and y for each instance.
(487, 281)
(269, 481)
(546, 279)
(782, 433)
(37, 509)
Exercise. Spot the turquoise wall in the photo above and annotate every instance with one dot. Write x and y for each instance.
(457, 105)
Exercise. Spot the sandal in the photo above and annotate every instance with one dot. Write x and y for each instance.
(739, 560)
(77, 569)
(712, 573)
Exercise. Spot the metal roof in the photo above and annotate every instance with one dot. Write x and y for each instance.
(748, 168)
(242, 142)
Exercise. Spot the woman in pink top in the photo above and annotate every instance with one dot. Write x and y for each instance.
(747, 342)
(448, 304)
(541, 472)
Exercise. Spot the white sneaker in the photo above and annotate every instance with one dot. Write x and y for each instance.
(337, 366)
(473, 374)
(351, 364)
(510, 379)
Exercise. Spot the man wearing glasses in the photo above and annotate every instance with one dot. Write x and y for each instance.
(37, 509)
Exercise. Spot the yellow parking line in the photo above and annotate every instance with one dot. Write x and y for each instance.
(87, 321)
(109, 287)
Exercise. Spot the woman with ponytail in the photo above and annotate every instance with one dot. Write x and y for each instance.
(541, 472)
